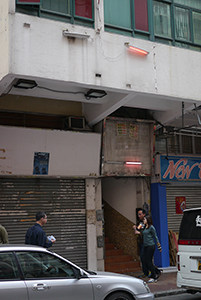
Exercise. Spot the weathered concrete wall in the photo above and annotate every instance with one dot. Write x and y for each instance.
(4, 38)
(70, 153)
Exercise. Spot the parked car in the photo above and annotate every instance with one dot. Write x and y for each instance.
(33, 273)
(189, 251)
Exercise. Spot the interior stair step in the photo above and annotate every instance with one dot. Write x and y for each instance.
(118, 258)
(118, 262)
(123, 267)
(109, 246)
(114, 252)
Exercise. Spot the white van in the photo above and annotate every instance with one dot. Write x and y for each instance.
(189, 251)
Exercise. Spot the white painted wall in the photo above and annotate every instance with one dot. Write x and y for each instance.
(121, 195)
(125, 195)
(4, 38)
(71, 153)
(166, 70)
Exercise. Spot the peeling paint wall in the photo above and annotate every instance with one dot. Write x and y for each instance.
(70, 153)
(4, 38)
(94, 225)
(127, 140)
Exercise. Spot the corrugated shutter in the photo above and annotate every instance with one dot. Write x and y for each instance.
(63, 200)
(193, 199)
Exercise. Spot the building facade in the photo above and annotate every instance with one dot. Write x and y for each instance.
(65, 66)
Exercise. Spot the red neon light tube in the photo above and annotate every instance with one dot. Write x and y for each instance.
(137, 50)
(133, 163)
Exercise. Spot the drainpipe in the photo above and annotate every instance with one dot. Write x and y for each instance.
(182, 114)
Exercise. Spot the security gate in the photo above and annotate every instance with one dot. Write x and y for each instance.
(193, 199)
(63, 200)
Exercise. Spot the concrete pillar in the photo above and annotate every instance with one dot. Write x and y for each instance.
(94, 227)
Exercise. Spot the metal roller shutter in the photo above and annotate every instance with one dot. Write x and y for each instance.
(193, 199)
(63, 200)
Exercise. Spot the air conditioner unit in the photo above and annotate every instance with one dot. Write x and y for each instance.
(76, 123)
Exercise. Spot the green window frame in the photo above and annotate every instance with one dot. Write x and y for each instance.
(196, 27)
(80, 12)
(184, 22)
(122, 16)
(173, 22)
(162, 19)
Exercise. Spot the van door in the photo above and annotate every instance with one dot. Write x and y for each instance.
(190, 245)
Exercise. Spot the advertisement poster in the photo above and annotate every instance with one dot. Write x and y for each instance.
(180, 204)
(41, 163)
(134, 131)
(121, 129)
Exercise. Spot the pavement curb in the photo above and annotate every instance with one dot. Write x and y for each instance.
(169, 293)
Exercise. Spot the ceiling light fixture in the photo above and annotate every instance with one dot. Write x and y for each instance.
(25, 84)
(115, 162)
(95, 94)
(136, 50)
(76, 34)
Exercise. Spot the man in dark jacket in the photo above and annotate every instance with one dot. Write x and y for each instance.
(3, 235)
(36, 235)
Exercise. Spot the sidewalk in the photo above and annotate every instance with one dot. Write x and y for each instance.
(166, 284)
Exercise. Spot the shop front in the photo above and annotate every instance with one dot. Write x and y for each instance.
(64, 202)
(126, 167)
(176, 186)
(48, 170)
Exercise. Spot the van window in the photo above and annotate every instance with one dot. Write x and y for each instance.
(190, 228)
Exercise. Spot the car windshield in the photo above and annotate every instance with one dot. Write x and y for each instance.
(190, 228)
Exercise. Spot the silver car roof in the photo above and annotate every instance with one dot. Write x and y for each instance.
(20, 247)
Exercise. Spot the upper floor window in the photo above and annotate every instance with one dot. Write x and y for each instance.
(72, 11)
(141, 15)
(175, 22)
(127, 17)
(162, 20)
(178, 21)
(182, 143)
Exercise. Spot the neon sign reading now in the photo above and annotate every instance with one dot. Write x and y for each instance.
(180, 168)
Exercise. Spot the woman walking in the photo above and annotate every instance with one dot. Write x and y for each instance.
(149, 238)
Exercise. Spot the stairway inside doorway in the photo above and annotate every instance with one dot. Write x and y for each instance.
(118, 262)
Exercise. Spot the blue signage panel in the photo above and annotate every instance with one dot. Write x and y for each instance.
(179, 168)
(41, 163)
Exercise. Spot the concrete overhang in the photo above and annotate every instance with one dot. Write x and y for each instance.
(167, 110)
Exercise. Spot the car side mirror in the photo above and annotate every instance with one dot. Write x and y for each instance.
(79, 273)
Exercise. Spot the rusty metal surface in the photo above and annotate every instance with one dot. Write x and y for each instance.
(126, 140)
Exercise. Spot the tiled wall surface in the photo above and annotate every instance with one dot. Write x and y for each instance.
(120, 231)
